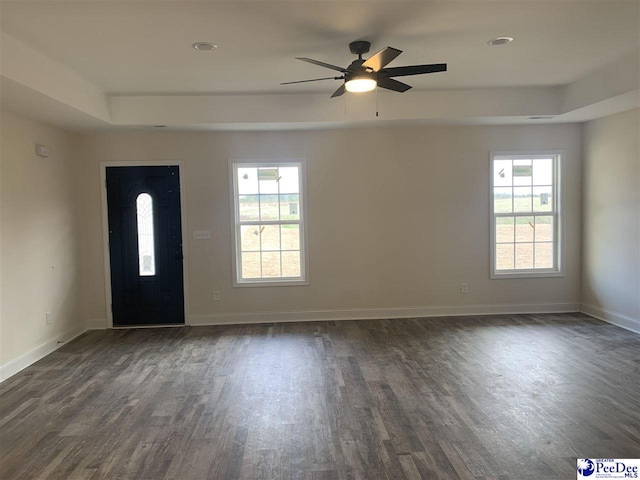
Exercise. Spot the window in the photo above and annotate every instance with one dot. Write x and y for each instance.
(526, 228)
(269, 223)
(146, 243)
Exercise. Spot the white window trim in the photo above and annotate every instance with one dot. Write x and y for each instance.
(559, 231)
(235, 238)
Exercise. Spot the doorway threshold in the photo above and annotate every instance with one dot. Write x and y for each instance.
(164, 325)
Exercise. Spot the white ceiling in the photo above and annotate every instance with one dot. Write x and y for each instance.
(144, 47)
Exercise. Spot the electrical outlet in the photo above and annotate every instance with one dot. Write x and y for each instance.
(47, 317)
(216, 295)
(464, 287)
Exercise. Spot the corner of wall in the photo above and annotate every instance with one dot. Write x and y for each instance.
(623, 321)
(32, 356)
(610, 231)
(40, 275)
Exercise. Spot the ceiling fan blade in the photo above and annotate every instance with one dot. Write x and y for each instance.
(322, 64)
(391, 84)
(312, 80)
(414, 70)
(378, 60)
(339, 91)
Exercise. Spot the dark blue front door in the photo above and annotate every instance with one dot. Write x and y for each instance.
(145, 245)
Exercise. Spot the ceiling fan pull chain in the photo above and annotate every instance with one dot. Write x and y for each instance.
(377, 101)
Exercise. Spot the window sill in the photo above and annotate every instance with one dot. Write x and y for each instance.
(510, 274)
(271, 283)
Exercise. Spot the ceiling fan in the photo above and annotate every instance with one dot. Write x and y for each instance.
(364, 75)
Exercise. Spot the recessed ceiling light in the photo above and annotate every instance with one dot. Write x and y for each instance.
(500, 41)
(204, 46)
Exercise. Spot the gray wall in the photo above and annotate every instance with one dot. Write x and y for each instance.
(398, 217)
(39, 238)
(611, 219)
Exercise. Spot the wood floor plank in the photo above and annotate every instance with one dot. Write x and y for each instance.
(479, 398)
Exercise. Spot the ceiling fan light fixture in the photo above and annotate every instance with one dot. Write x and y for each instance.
(360, 84)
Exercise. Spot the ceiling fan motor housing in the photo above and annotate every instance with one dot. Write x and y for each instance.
(356, 66)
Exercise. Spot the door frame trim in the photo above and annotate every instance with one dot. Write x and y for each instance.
(105, 230)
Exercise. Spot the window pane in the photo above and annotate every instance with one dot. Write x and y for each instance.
(247, 181)
(542, 199)
(524, 255)
(522, 172)
(505, 231)
(146, 243)
(544, 229)
(268, 178)
(543, 171)
(250, 265)
(250, 238)
(289, 180)
(290, 264)
(504, 256)
(290, 235)
(502, 201)
(502, 173)
(269, 222)
(525, 234)
(524, 229)
(544, 255)
(270, 237)
(271, 264)
(249, 207)
(522, 199)
(269, 207)
(289, 207)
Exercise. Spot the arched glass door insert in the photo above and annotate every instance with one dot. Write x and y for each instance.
(146, 241)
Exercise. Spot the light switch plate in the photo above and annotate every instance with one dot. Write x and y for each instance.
(202, 234)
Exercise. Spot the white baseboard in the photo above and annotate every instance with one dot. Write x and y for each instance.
(614, 318)
(97, 324)
(376, 313)
(32, 356)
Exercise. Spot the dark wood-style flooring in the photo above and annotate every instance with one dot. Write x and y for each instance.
(496, 397)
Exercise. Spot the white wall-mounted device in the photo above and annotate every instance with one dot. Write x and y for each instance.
(42, 151)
